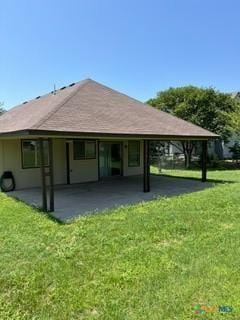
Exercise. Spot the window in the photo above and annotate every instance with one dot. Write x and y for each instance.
(133, 153)
(84, 149)
(78, 150)
(31, 153)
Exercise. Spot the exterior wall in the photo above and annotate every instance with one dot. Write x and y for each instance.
(130, 171)
(87, 170)
(224, 147)
(80, 170)
(1, 157)
(59, 161)
(226, 153)
(11, 160)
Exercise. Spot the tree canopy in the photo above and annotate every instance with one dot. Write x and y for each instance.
(235, 118)
(205, 107)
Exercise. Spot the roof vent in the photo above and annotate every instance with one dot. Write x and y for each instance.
(72, 84)
(38, 97)
(25, 102)
(62, 88)
(54, 90)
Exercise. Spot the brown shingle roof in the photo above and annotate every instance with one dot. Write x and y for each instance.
(90, 107)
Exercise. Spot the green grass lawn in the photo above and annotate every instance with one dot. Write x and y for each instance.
(155, 260)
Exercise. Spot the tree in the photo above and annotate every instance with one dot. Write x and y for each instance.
(235, 119)
(235, 150)
(205, 107)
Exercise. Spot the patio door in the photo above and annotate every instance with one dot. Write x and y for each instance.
(110, 159)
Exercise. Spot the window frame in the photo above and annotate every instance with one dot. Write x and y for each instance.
(22, 154)
(139, 154)
(85, 142)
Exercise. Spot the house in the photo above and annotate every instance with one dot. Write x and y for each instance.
(221, 149)
(85, 132)
(225, 146)
(217, 149)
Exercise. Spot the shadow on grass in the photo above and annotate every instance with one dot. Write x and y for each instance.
(219, 166)
(49, 215)
(193, 178)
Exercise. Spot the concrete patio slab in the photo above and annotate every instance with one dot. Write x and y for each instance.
(75, 200)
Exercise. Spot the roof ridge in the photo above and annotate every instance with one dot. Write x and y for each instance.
(121, 93)
(59, 106)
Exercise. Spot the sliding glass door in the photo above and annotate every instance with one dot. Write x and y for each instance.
(110, 159)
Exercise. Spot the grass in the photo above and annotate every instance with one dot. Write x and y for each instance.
(218, 175)
(155, 260)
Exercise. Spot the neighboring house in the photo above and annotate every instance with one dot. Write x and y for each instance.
(235, 137)
(216, 148)
(84, 132)
(236, 95)
(174, 148)
(221, 148)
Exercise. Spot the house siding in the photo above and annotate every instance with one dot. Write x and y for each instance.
(80, 170)
(130, 171)
(59, 161)
(1, 156)
(11, 160)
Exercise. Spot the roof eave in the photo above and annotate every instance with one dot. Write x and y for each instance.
(52, 133)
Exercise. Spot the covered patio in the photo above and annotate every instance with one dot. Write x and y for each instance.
(80, 199)
(53, 145)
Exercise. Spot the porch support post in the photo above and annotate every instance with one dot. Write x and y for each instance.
(51, 176)
(43, 176)
(67, 162)
(204, 161)
(146, 167)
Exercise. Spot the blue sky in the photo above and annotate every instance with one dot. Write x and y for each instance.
(138, 47)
